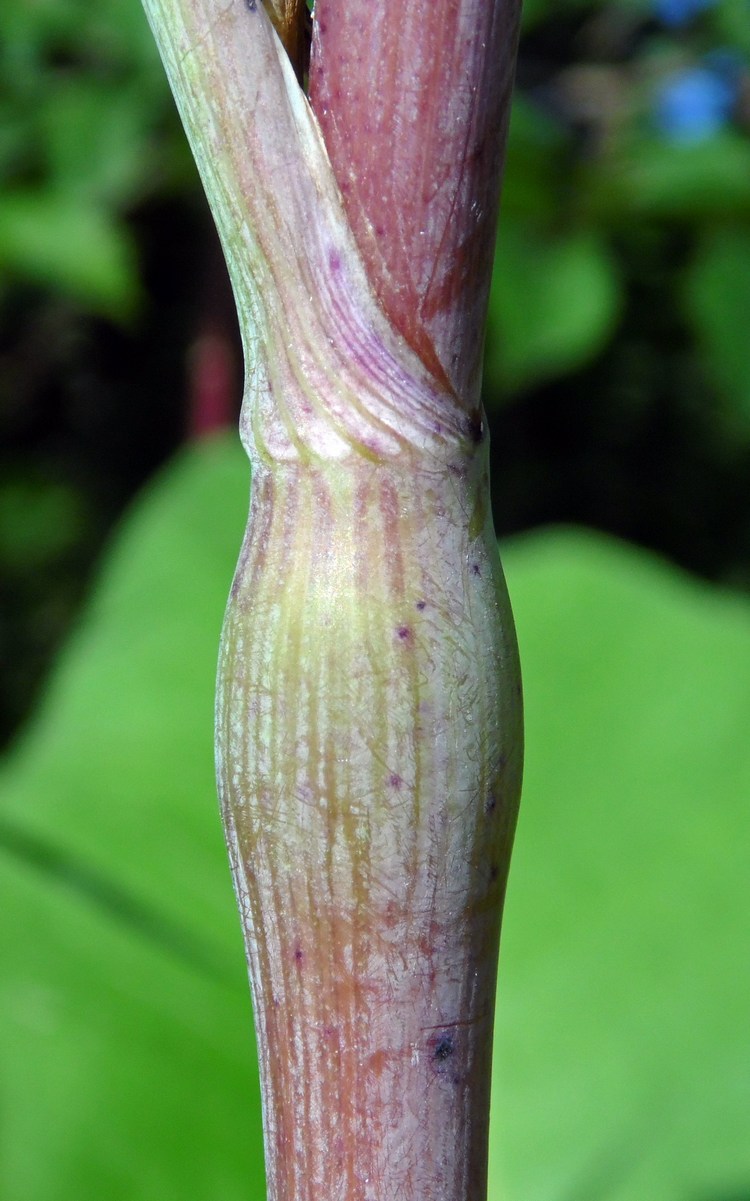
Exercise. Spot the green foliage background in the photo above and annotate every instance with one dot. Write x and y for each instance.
(623, 1046)
(90, 135)
(619, 306)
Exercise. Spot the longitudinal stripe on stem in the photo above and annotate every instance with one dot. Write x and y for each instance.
(368, 718)
(370, 822)
(413, 102)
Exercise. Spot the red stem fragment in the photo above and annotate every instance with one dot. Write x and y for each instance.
(413, 103)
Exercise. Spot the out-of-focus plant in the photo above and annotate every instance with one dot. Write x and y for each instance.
(697, 102)
(88, 142)
(626, 211)
(622, 1046)
(623, 117)
(624, 272)
(631, 125)
(85, 136)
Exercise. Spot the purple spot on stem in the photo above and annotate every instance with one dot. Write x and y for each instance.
(475, 569)
(334, 261)
(404, 633)
(299, 954)
(444, 1048)
(395, 781)
(421, 605)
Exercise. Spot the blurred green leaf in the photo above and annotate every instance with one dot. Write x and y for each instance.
(554, 304)
(96, 138)
(113, 32)
(536, 165)
(125, 1020)
(38, 24)
(655, 178)
(534, 11)
(39, 520)
(623, 1047)
(729, 19)
(70, 245)
(717, 298)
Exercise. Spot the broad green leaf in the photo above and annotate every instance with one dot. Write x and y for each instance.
(72, 245)
(718, 302)
(623, 1047)
(554, 304)
(623, 1056)
(125, 1022)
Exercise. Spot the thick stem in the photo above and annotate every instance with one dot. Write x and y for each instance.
(369, 719)
(369, 749)
(413, 102)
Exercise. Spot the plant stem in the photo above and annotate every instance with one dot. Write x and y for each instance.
(369, 737)
(369, 753)
(413, 103)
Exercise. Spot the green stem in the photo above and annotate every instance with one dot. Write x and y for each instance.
(369, 748)
(369, 734)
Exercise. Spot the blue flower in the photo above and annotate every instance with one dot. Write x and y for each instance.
(694, 104)
(675, 13)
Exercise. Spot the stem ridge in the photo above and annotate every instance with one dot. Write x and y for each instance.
(368, 752)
